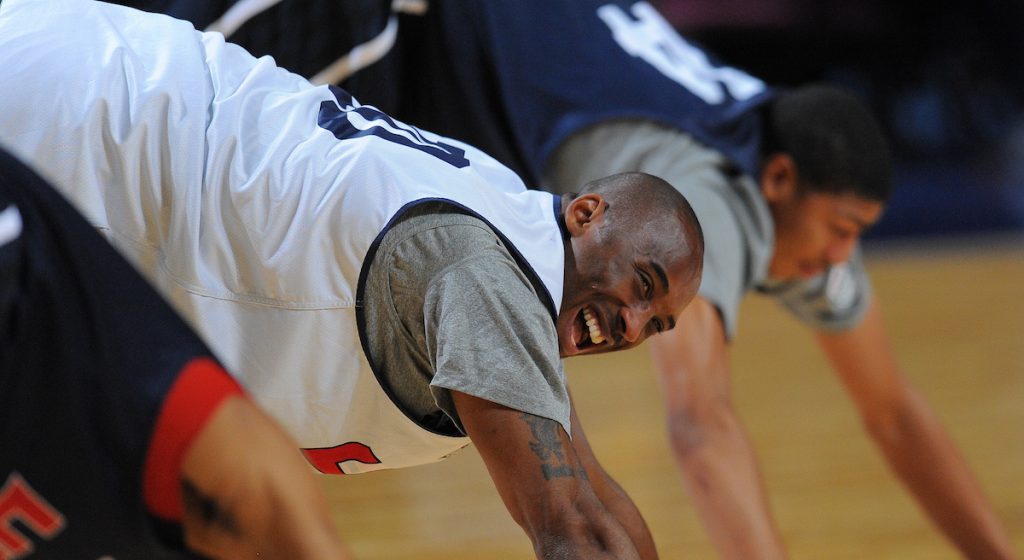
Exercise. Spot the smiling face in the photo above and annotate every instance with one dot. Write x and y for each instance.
(623, 282)
(813, 230)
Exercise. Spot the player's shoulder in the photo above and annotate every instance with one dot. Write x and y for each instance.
(439, 231)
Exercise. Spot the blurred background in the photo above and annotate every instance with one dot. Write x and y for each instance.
(947, 79)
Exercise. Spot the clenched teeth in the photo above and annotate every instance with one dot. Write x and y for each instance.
(593, 326)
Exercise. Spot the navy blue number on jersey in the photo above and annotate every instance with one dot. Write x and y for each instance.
(347, 119)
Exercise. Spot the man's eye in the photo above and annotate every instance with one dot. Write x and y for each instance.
(645, 284)
(843, 232)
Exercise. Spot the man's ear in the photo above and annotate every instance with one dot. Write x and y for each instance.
(584, 211)
(779, 178)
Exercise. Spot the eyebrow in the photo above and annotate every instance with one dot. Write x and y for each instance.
(864, 225)
(661, 274)
(664, 280)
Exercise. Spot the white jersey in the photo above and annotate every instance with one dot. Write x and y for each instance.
(252, 200)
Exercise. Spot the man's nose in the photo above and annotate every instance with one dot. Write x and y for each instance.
(840, 251)
(635, 321)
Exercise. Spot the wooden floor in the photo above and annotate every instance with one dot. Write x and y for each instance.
(956, 316)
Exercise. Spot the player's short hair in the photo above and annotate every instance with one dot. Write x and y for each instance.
(834, 139)
(635, 198)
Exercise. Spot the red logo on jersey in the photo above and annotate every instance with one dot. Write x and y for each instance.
(19, 502)
(328, 460)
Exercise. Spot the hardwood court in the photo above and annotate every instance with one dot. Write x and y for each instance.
(956, 316)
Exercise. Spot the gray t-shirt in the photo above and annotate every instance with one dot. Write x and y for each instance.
(737, 224)
(448, 308)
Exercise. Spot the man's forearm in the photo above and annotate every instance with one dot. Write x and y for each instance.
(582, 527)
(710, 445)
(721, 475)
(912, 439)
(622, 507)
(593, 535)
(922, 453)
(543, 484)
(612, 495)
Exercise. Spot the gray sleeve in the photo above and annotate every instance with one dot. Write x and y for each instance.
(833, 301)
(724, 256)
(490, 336)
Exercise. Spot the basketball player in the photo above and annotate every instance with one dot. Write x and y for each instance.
(122, 437)
(386, 294)
(784, 184)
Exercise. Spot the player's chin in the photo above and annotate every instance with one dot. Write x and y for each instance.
(602, 348)
(810, 270)
(570, 346)
(795, 271)
(567, 348)
(786, 270)
(569, 333)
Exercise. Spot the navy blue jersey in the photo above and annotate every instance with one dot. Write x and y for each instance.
(88, 356)
(553, 67)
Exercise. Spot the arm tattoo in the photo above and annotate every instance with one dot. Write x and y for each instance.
(547, 446)
(212, 514)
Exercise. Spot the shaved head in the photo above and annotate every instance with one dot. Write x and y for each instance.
(640, 201)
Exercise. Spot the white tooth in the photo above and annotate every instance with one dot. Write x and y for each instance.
(592, 326)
